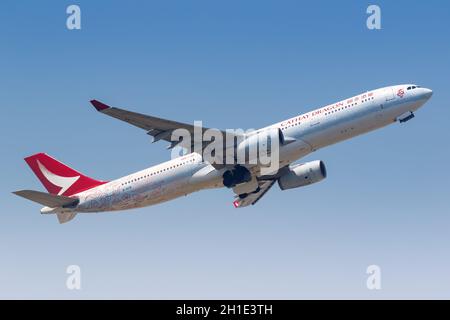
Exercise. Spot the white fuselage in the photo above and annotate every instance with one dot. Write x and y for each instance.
(309, 131)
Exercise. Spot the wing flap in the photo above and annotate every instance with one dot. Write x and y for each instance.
(252, 198)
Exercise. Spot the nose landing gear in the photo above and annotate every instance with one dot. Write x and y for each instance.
(406, 117)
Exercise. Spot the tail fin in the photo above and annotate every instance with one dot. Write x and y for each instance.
(58, 178)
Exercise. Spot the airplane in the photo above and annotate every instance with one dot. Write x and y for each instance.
(70, 192)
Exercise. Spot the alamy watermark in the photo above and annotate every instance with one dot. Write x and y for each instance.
(374, 20)
(73, 281)
(374, 279)
(73, 21)
(230, 147)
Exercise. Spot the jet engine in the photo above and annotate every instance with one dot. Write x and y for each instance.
(302, 175)
(251, 150)
(237, 175)
(260, 143)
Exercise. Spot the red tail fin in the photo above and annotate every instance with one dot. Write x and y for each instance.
(57, 177)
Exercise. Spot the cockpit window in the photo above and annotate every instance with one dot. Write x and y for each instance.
(409, 88)
(412, 87)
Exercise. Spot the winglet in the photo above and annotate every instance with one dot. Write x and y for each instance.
(100, 106)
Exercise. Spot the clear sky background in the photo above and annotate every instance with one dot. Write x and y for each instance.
(231, 64)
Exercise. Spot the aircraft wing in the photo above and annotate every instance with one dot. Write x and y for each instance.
(252, 198)
(158, 128)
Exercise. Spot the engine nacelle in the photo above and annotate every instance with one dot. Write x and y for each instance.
(302, 175)
(237, 175)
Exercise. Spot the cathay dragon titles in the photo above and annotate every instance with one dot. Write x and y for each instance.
(70, 192)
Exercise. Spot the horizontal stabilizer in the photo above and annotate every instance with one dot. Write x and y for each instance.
(46, 199)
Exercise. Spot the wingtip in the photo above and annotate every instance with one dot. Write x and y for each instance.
(100, 106)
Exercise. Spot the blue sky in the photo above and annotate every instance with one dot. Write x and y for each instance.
(231, 64)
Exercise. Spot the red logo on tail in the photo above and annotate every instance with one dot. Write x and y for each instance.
(58, 178)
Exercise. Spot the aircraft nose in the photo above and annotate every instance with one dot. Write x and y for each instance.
(427, 93)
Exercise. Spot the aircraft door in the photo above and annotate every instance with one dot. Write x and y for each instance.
(389, 94)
